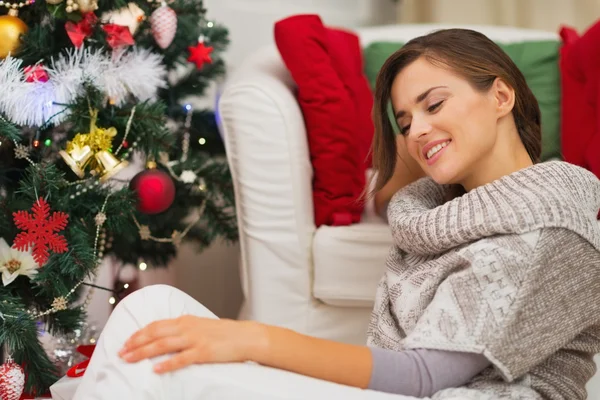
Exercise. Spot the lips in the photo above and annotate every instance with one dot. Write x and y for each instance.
(431, 145)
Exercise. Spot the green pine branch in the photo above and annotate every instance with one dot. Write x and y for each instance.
(21, 184)
(19, 332)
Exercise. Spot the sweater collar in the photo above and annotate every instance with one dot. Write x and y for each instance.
(550, 194)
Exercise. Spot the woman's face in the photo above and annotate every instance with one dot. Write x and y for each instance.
(449, 127)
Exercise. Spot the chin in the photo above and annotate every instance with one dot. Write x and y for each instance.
(444, 175)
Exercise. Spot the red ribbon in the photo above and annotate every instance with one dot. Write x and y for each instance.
(78, 370)
(118, 35)
(35, 73)
(79, 31)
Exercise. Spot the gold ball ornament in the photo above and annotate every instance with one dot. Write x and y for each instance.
(11, 29)
(87, 5)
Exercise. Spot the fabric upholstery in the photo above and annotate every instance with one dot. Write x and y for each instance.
(336, 102)
(580, 68)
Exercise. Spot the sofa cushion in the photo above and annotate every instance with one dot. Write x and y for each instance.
(580, 68)
(538, 60)
(336, 101)
(349, 261)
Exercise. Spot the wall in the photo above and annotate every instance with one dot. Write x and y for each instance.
(537, 14)
(250, 22)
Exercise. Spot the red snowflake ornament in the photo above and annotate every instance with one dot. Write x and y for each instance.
(200, 54)
(41, 231)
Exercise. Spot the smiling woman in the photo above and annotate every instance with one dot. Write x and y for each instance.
(462, 119)
(493, 294)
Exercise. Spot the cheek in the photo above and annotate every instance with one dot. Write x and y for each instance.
(477, 128)
(413, 149)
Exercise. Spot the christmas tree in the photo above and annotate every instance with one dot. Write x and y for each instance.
(101, 154)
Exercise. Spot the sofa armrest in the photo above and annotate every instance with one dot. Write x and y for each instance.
(267, 150)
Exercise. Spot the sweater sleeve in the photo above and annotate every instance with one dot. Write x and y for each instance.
(422, 372)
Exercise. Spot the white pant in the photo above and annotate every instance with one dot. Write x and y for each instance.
(108, 377)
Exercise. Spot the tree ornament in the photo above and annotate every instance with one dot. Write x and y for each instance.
(163, 23)
(60, 303)
(21, 152)
(118, 36)
(86, 6)
(81, 30)
(155, 190)
(131, 16)
(93, 150)
(144, 232)
(40, 230)
(12, 380)
(200, 54)
(100, 219)
(35, 73)
(14, 262)
(71, 6)
(188, 176)
(11, 29)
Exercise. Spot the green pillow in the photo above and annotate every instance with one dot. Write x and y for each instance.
(537, 60)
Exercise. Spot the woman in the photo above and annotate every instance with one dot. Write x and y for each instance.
(492, 288)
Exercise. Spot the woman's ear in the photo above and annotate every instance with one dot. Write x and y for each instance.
(504, 96)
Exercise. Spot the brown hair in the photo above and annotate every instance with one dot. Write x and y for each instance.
(473, 56)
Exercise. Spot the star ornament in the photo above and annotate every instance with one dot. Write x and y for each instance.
(14, 262)
(60, 303)
(200, 54)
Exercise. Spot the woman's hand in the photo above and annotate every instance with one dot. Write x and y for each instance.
(194, 340)
(407, 171)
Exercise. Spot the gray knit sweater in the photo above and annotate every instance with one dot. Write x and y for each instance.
(510, 270)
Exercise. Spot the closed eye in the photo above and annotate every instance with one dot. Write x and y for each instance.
(435, 106)
(404, 129)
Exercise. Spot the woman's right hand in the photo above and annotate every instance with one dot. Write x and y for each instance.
(407, 171)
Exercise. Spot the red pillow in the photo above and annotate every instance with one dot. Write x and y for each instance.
(580, 97)
(346, 57)
(336, 102)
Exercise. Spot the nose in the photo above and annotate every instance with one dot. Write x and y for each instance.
(419, 127)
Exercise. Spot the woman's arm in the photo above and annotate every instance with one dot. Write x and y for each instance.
(418, 372)
(407, 171)
(196, 340)
(282, 348)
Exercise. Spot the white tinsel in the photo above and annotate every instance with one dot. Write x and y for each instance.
(138, 73)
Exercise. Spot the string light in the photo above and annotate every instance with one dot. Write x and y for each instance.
(143, 266)
(47, 142)
(126, 286)
(202, 141)
(112, 300)
(210, 24)
(36, 140)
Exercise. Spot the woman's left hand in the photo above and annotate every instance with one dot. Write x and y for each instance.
(194, 340)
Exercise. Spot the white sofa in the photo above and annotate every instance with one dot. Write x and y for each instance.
(322, 281)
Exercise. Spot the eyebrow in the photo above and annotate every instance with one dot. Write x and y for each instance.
(419, 99)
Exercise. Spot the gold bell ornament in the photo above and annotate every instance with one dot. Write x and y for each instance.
(108, 164)
(11, 30)
(93, 150)
(78, 155)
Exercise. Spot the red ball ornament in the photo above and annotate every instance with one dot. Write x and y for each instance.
(155, 190)
(12, 380)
